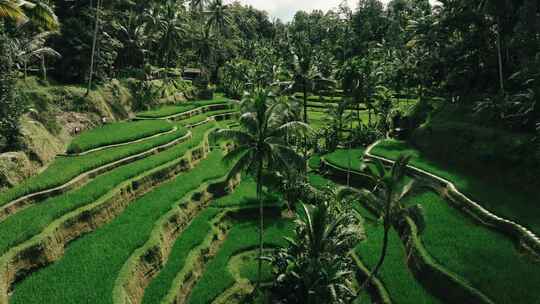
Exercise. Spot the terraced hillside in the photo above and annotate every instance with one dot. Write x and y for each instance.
(146, 214)
(458, 257)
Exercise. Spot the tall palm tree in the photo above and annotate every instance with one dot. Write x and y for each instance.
(219, 17)
(305, 74)
(167, 21)
(260, 145)
(386, 198)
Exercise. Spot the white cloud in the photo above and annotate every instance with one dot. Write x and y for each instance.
(285, 9)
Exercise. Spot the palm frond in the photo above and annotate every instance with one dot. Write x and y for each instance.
(235, 154)
(42, 15)
(294, 128)
(11, 10)
(240, 137)
(241, 165)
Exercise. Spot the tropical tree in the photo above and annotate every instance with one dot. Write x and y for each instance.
(219, 17)
(386, 198)
(11, 108)
(316, 267)
(305, 74)
(29, 48)
(132, 34)
(260, 145)
(166, 23)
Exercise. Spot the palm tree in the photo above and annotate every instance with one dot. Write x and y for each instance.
(305, 73)
(29, 48)
(260, 145)
(219, 17)
(386, 198)
(315, 267)
(198, 5)
(131, 32)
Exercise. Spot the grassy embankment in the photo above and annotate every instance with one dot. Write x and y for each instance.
(31, 221)
(117, 133)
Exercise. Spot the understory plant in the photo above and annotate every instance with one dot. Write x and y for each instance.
(316, 267)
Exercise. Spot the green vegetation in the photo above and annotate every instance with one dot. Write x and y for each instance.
(507, 202)
(243, 196)
(181, 108)
(380, 69)
(31, 221)
(64, 280)
(344, 159)
(202, 117)
(117, 133)
(485, 258)
(63, 169)
(193, 236)
(243, 236)
(395, 274)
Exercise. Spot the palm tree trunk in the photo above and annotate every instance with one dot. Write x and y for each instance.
(43, 68)
(261, 224)
(304, 87)
(387, 227)
(499, 55)
(383, 254)
(94, 43)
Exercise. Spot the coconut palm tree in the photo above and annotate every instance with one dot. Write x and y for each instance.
(315, 267)
(260, 144)
(305, 74)
(386, 198)
(219, 17)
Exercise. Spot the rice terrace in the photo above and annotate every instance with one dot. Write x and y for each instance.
(269, 152)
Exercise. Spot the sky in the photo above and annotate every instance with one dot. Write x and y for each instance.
(285, 9)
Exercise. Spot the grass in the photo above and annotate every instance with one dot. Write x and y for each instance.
(341, 157)
(317, 119)
(117, 133)
(487, 259)
(244, 266)
(91, 264)
(202, 117)
(499, 198)
(242, 237)
(395, 274)
(180, 108)
(31, 221)
(63, 169)
(192, 237)
(244, 195)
